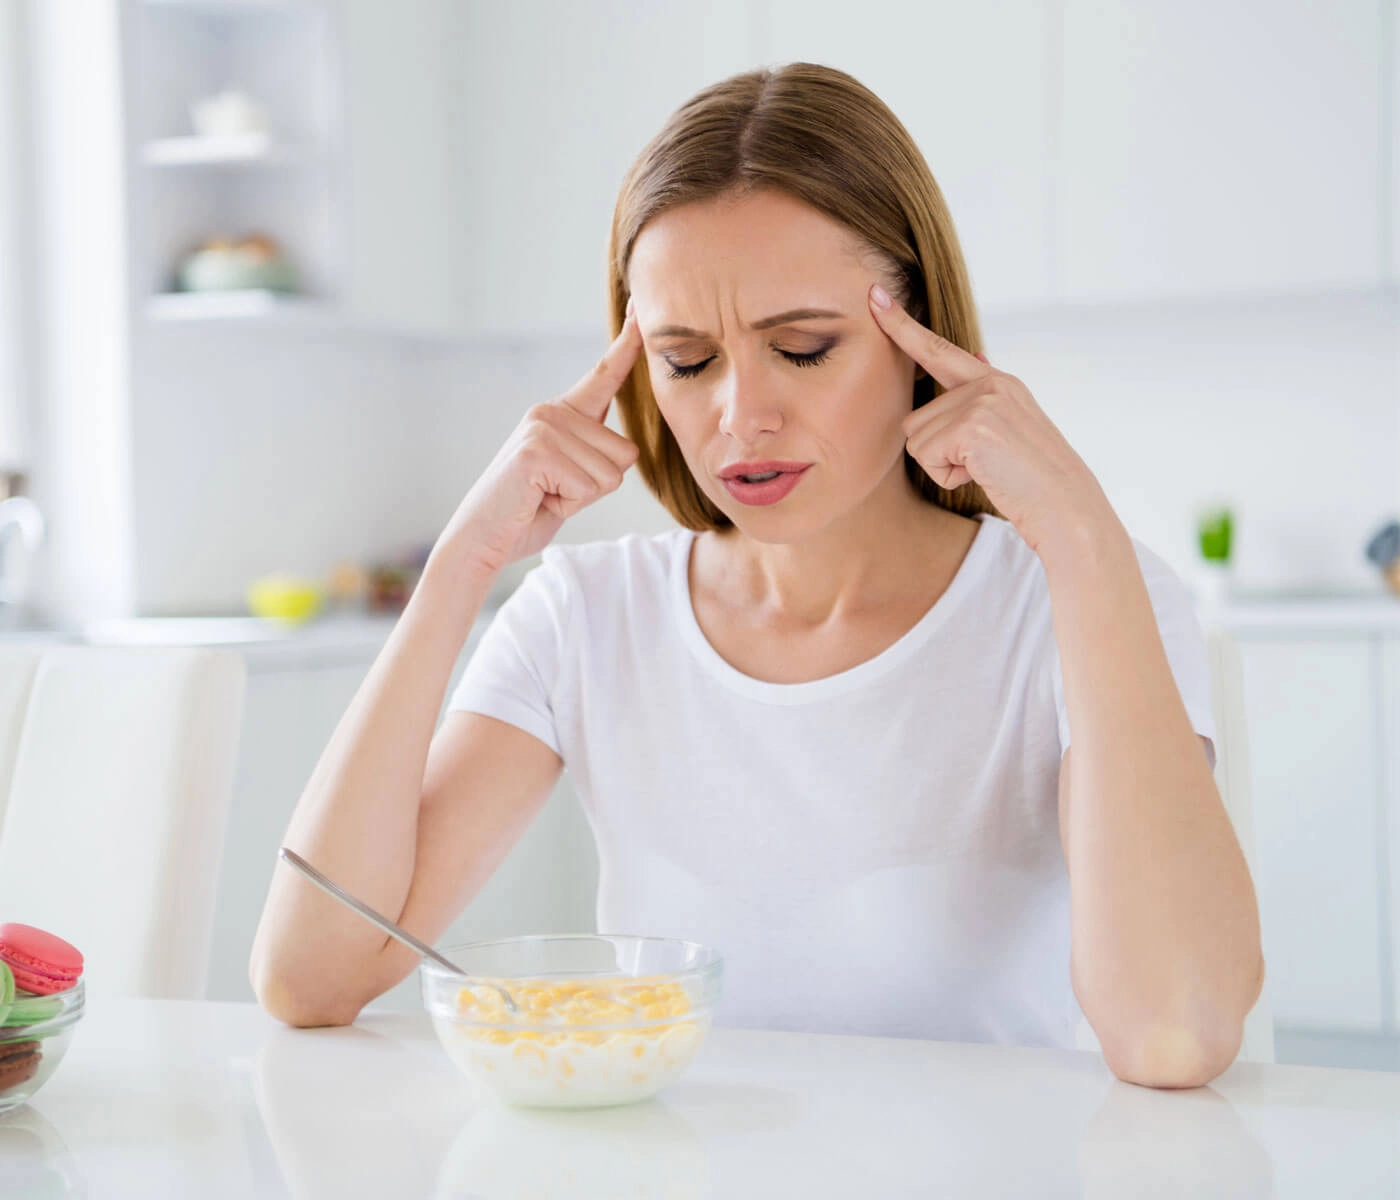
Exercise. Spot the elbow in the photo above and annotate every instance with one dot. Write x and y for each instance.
(1173, 1056)
(1171, 1052)
(280, 997)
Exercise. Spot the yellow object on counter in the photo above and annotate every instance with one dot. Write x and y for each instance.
(284, 598)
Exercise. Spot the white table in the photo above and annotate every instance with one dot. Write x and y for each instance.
(161, 1098)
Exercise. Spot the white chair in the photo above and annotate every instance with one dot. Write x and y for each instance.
(1232, 778)
(116, 770)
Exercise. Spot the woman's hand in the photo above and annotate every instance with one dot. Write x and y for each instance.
(560, 459)
(987, 427)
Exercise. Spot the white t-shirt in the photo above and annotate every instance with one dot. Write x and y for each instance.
(876, 852)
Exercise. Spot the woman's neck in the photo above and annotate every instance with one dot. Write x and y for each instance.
(892, 549)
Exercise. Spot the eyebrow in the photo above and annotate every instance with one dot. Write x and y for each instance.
(784, 318)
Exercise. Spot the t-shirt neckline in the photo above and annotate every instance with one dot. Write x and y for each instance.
(964, 578)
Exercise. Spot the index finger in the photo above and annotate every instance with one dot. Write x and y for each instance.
(592, 394)
(948, 363)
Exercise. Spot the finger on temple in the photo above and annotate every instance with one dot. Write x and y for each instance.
(592, 394)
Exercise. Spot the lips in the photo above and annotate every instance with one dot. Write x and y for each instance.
(762, 483)
(763, 467)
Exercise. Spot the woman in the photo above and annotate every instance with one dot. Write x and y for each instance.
(824, 726)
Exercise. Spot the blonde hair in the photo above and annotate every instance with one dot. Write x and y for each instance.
(821, 136)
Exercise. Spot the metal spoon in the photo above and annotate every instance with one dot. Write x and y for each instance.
(388, 926)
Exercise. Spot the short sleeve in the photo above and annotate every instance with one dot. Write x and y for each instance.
(513, 674)
(1183, 640)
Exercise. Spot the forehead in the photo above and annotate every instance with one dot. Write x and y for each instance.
(761, 243)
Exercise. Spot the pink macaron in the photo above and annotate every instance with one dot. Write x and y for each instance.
(42, 963)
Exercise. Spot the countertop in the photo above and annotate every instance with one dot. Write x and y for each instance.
(325, 640)
(357, 637)
(1360, 614)
(168, 1098)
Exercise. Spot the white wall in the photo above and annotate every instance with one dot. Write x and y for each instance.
(1288, 407)
(284, 451)
(287, 447)
(266, 450)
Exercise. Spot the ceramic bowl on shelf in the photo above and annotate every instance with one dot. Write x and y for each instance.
(222, 265)
(603, 1019)
(229, 113)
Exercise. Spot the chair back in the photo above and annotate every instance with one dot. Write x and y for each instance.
(116, 771)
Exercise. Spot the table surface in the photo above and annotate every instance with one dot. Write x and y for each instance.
(166, 1098)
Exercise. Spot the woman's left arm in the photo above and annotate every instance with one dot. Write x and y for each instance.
(1166, 959)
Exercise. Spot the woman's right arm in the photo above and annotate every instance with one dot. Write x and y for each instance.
(414, 824)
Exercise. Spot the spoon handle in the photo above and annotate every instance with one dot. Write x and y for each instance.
(388, 926)
(364, 910)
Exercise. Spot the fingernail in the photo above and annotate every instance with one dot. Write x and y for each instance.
(629, 306)
(880, 296)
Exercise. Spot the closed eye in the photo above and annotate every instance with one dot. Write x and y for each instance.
(690, 370)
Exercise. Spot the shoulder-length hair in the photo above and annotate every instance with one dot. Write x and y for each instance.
(821, 136)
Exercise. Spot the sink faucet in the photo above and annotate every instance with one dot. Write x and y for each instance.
(18, 514)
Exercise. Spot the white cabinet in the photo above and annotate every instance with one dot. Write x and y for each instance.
(1388, 829)
(449, 167)
(554, 100)
(1315, 754)
(1102, 150)
(1322, 701)
(486, 144)
(1098, 151)
(972, 84)
(1219, 146)
(399, 70)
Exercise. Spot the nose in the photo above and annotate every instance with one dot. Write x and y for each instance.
(747, 407)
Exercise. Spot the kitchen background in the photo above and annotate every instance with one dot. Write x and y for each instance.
(1182, 223)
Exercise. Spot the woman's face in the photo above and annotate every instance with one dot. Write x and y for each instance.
(763, 356)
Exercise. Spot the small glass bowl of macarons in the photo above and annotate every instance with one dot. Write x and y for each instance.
(41, 1002)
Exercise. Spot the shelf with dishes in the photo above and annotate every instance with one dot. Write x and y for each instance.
(237, 173)
(240, 304)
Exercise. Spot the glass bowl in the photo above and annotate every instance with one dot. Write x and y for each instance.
(604, 1019)
(33, 1040)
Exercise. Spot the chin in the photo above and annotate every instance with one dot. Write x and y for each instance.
(775, 527)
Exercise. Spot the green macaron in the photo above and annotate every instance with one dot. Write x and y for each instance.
(30, 1010)
(7, 991)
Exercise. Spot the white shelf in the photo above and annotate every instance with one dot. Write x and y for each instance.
(242, 305)
(232, 150)
(1361, 615)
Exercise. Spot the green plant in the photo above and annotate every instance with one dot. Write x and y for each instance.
(1213, 529)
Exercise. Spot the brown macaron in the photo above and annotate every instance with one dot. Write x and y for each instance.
(19, 1062)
